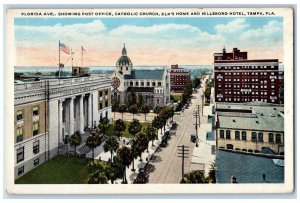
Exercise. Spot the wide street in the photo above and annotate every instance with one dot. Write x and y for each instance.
(165, 167)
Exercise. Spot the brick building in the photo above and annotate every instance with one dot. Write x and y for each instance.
(238, 79)
(179, 78)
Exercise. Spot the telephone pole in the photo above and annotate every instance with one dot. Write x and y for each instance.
(183, 152)
(196, 126)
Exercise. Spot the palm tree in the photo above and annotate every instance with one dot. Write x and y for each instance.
(111, 145)
(157, 109)
(103, 124)
(155, 124)
(93, 141)
(119, 126)
(151, 134)
(97, 178)
(145, 109)
(142, 141)
(123, 156)
(133, 109)
(134, 127)
(122, 109)
(134, 153)
(75, 140)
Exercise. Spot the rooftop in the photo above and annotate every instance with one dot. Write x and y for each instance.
(247, 168)
(145, 74)
(259, 116)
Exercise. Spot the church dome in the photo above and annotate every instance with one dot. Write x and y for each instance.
(124, 59)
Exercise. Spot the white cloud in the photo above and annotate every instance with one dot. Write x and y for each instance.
(233, 26)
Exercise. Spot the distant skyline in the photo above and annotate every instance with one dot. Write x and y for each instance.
(149, 41)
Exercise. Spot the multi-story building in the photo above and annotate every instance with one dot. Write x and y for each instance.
(48, 110)
(254, 127)
(238, 79)
(150, 86)
(179, 77)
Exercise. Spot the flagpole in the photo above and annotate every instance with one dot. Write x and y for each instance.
(81, 56)
(58, 58)
(72, 57)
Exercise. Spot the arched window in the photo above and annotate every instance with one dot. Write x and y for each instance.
(136, 83)
(253, 136)
(148, 84)
(271, 137)
(131, 83)
(153, 84)
(159, 83)
(142, 84)
(228, 137)
(260, 137)
(222, 134)
(237, 135)
(278, 138)
(244, 135)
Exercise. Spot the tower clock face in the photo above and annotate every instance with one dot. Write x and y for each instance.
(115, 83)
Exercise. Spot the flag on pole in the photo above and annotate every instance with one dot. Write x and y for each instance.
(64, 48)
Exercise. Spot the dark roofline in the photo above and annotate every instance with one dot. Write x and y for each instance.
(243, 60)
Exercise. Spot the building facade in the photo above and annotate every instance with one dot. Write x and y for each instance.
(179, 77)
(253, 127)
(48, 110)
(238, 79)
(150, 86)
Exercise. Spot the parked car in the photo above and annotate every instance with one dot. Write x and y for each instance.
(143, 177)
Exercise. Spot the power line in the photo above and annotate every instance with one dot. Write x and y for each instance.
(183, 152)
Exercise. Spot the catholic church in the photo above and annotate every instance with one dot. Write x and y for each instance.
(149, 86)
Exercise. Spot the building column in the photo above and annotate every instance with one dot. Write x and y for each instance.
(72, 115)
(60, 121)
(81, 117)
(90, 122)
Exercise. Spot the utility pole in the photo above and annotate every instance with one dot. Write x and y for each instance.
(199, 114)
(182, 152)
(196, 127)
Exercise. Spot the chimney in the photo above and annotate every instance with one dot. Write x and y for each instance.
(233, 179)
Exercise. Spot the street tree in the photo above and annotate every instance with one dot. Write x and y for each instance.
(134, 152)
(111, 145)
(133, 109)
(157, 109)
(103, 124)
(93, 141)
(151, 134)
(119, 126)
(142, 141)
(156, 125)
(145, 109)
(122, 109)
(134, 127)
(123, 156)
(75, 140)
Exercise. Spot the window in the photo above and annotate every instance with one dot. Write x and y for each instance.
(153, 83)
(254, 136)
(228, 134)
(101, 105)
(222, 134)
(35, 111)
(35, 128)
(36, 147)
(244, 135)
(237, 135)
(36, 162)
(106, 92)
(20, 170)
(100, 94)
(271, 137)
(136, 83)
(159, 83)
(19, 135)
(278, 138)
(106, 103)
(19, 115)
(148, 84)
(126, 68)
(142, 84)
(260, 137)
(131, 83)
(20, 154)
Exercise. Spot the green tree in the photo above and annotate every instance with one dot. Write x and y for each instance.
(157, 109)
(140, 101)
(93, 141)
(134, 127)
(75, 140)
(111, 145)
(103, 124)
(156, 125)
(123, 157)
(194, 177)
(212, 174)
(133, 109)
(142, 141)
(119, 126)
(134, 152)
(122, 109)
(151, 134)
(97, 178)
(145, 109)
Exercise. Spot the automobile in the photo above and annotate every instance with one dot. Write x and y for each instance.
(163, 143)
(143, 177)
(193, 138)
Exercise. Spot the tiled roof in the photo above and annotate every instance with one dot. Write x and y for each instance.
(145, 74)
(246, 168)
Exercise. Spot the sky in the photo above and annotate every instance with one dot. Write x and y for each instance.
(149, 41)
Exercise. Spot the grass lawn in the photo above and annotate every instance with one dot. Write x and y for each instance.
(110, 131)
(59, 170)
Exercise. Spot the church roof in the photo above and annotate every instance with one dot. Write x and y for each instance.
(145, 74)
(140, 89)
(124, 60)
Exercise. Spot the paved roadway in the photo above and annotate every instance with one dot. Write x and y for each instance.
(165, 167)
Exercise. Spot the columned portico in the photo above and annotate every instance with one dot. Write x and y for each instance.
(90, 122)
(60, 121)
(81, 117)
(72, 115)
